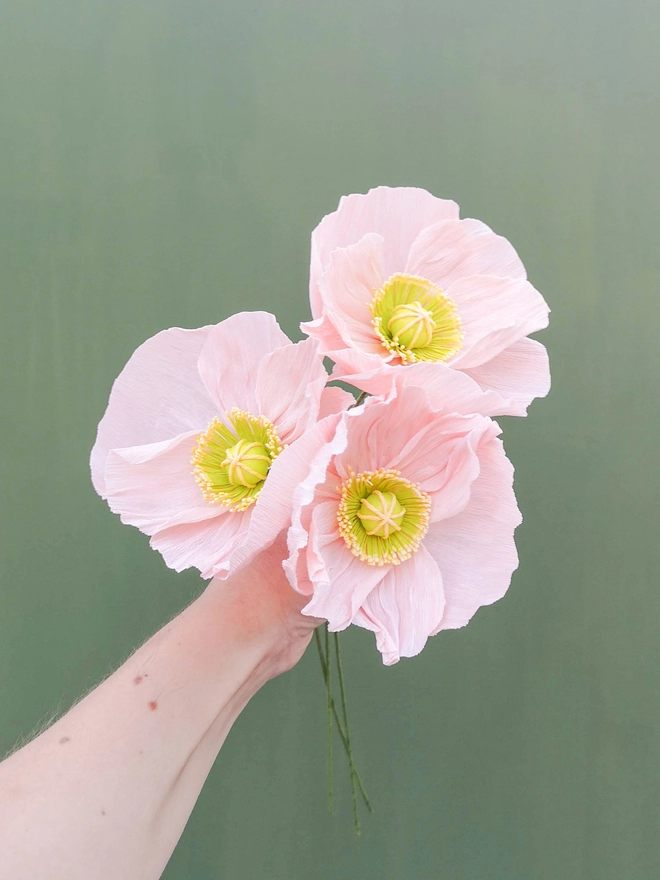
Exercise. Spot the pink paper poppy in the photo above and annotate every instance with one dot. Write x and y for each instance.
(206, 436)
(397, 280)
(405, 523)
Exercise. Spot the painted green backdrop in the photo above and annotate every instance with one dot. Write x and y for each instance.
(162, 162)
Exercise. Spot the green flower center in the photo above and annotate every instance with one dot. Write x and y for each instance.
(231, 461)
(247, 463)
(415, 320)
(382, 517)
(381, 513)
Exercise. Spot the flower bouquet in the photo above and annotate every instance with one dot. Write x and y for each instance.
(396, 500)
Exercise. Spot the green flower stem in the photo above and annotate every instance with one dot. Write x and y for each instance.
(329, 708)
(340, 727)
(351, 763)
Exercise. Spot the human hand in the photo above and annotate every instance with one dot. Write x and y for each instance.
(264, 608)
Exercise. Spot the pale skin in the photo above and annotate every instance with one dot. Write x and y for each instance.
(106, 791)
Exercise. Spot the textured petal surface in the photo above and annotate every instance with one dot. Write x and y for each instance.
(495, 313)
(518, 375)
(375, 374)
(334, 400)
(406, 607)
(505, 385)
(376, 438)
(325, 331)
(455, 249)
(450, 391)
(475, 550)
(290, 381)
(342, 582)
(153, 487)
(229, 362)
(158, 395)
(303, 461)
(305, 494)
(443, 459)
(347, 286)
(209, 546)
(397, 214)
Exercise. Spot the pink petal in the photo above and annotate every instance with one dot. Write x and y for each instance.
(291, 473)
(210, 546)
(346, 580)
(396, 214)
(158, 395)
(334, 400)
(405, 608)
(153, 487)
(448, 390)
(442, 458)
(325, 331)
(348, 285)
(290, 381)
(376, 438)
(519, 374)
(304, 494)
(475, 550)
(376, 376)
(454, 249)
(229, 361)
(495, 313)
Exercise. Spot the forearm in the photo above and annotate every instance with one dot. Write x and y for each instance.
(106, 791)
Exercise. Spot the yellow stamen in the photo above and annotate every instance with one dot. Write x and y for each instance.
(247, 463)
(233, 456)
(382, 517)
(381, 512)
(415, 320)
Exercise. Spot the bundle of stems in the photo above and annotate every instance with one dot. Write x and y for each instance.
(325, 644)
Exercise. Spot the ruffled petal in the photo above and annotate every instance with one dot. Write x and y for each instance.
(305, 494)
(455, 249)
(209, 546)
(334, 400)
(294, 469)
(475, 550)
(377, 377)
(448, 390)
(229, 361)
(518, 375)
(325, 331)
(443, 459)
(397, 214)
(158, 395)
(348, 285)
(495, 313)
(153, 487)
(405, 608)
(290, 381)
(341, 581)
(376, 438)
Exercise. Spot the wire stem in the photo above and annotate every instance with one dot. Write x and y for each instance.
(335, 714)
(329, 713)
(349, 750)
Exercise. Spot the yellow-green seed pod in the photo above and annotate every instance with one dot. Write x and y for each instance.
(411, 325)
(381, 513)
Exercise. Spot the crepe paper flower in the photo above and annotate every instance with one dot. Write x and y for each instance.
(397, 279)
(405, 524)
(206, 436)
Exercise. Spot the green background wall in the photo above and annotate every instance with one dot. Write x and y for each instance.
(163, 163)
